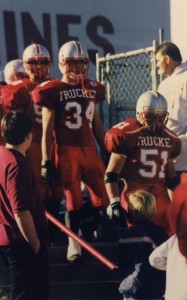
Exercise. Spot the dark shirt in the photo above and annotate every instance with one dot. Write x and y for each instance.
(18, 193)
(135, 245)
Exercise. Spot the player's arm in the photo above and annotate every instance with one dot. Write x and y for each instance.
(158, 258)
(99, 131)
(27, 228)
(115, 166)
(15, 96)
(48, 120)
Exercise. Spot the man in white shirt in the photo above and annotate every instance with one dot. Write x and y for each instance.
(174, 89)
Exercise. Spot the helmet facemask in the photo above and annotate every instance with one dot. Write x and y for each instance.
(152, 110)
(153, 121)
(75, 68)
(18, 75)
(38, 68)
(37, 62)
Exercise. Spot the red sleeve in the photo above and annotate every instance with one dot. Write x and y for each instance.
(98, 88)
(115, 138)
(14, 96)
(18, 187)
(178, 216)
(101, 93)
(47, 94)
(117, 141)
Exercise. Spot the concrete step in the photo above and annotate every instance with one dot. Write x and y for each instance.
(89, 280)
(108, 249)
(85, 290)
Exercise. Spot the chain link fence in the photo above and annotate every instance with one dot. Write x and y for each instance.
(126, 76)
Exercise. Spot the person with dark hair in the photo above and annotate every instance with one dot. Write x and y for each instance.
(23, 228)
(171, 256)
(13, 131)
(172, 51)
(174, 89)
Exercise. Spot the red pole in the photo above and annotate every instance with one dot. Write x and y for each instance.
(83, 243)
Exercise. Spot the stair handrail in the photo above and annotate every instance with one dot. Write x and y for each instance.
(79, 240)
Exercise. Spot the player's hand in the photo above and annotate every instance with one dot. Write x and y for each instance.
(117, 210)
(117, 213)
(48, 173)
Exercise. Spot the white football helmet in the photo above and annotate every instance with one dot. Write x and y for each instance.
(151, 110)
(14, 70)
(37, 62)
(74, 60)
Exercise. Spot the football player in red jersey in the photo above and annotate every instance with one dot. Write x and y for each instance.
(38, 65)
(16, 96)
(142, 154)
(69, 111)
(13, 71)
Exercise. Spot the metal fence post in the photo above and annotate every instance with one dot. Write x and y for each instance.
(126, 76)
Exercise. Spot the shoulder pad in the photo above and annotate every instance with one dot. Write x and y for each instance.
(14, 98)
(125, 126)
(50, 83)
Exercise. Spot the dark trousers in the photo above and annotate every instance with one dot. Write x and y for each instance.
(28, 272)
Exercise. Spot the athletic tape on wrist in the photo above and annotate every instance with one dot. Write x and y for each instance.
(114, 199)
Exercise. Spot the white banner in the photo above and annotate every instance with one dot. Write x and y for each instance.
(104, 26)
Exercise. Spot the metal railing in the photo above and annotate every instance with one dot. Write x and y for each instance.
(82, 242)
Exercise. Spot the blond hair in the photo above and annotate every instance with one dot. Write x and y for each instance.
(142, 205)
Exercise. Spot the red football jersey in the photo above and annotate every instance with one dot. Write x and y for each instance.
(16, 95)
(74, 106)
(147, 152)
